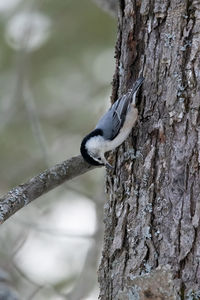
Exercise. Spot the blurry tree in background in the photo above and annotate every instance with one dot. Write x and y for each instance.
(57, 63)
(152, 235)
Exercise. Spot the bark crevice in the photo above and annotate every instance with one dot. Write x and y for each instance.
(157, 170)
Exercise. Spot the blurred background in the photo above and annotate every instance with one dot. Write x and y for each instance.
(57, 64)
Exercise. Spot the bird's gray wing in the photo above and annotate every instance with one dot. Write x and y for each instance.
(113, 120)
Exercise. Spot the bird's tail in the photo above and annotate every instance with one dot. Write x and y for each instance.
(135, 89)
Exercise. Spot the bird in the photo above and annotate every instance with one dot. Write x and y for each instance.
(112, 129)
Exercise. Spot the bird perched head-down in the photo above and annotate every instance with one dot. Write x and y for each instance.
(112, 129)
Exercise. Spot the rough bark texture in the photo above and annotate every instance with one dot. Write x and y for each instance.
(152, 215)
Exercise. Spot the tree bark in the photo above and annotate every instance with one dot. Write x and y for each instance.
(152, 237)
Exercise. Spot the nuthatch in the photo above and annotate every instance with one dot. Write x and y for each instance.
(112, 129)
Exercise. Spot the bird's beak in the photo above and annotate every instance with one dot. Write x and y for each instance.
(106, 163)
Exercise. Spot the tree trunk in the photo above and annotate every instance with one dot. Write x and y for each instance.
(152, 236)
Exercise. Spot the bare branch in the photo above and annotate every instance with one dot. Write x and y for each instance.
(23, 194)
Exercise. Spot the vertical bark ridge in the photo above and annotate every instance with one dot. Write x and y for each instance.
(152, 214)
